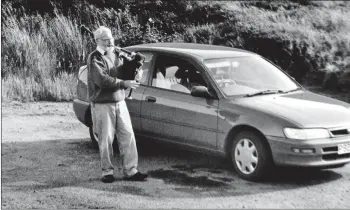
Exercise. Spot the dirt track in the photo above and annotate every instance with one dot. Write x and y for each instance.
(48, 162)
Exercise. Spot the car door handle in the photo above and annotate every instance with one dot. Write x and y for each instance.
(151, 99)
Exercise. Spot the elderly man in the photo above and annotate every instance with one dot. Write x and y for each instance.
(110, 115)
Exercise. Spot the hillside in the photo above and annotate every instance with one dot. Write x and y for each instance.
(42, 47)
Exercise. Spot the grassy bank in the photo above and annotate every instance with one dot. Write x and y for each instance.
(42, 50)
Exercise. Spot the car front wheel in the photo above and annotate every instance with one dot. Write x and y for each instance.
(251, 156)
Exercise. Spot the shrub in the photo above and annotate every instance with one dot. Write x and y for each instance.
(344, 81)
(331, 81)
(61, 88)
(43, 47)
(201, 34)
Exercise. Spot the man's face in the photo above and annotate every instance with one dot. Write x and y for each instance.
(105, 43)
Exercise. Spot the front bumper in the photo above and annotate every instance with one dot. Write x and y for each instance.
(325, 152)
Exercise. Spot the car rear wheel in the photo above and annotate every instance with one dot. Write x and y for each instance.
(251, 156)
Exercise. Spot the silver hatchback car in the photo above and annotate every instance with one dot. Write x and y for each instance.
(232, 103)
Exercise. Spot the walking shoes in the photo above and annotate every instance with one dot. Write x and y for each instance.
(108, 179)
(138, 177)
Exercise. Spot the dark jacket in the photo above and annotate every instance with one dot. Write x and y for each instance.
(103, 84)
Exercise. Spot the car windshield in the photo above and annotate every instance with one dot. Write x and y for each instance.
(248, 75)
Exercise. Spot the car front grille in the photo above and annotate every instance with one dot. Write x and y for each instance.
(329, 157)
(331, 153)
(330, 149)
(340, 132)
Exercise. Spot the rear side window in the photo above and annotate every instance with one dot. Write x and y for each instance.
(176, 74)
(145, 67)
(82, 92)
(83, 74)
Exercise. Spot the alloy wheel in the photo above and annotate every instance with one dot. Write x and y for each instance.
(246, 156)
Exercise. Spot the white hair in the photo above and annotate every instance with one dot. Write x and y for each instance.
(102, 31)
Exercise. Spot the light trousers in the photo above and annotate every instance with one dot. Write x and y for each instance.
(110, 119)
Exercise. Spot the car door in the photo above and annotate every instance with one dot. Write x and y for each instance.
(171, 113)
(134, 102)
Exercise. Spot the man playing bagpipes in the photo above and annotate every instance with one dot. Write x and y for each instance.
(109, 75)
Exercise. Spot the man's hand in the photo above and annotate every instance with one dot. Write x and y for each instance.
(132, 55)
(131, 84)
(138, 76)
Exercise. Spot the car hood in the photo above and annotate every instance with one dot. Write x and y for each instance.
(303, 108)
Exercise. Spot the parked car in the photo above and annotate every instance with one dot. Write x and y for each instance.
(232, 103)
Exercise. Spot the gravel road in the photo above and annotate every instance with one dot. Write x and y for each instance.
(48, 162)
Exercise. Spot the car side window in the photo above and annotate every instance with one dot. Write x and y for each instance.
(176, 74)
(82, 93)
(145, 67)
(82, 75)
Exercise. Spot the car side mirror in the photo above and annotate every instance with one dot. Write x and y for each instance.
(201, 91)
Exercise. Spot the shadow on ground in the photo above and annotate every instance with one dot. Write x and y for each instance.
(174, 172)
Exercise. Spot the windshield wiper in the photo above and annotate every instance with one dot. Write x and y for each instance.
(296, 89)
(264, 92)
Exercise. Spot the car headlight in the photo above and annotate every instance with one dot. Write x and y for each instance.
(305, 134)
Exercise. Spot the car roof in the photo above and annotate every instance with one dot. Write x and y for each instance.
(203, 51)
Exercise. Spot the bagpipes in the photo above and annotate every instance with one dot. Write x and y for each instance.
(131, 64)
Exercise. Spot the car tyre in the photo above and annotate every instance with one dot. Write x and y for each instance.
(251, 156)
